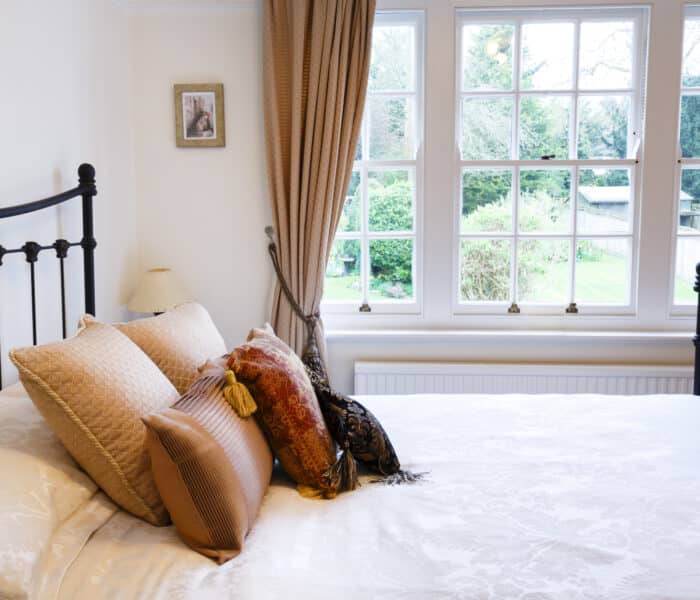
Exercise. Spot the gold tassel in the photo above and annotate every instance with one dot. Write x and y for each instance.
(238, 396)
(307, 491)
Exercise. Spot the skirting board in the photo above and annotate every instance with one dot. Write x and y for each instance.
(381, 378)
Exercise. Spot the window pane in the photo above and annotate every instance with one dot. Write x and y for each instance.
(350, 219)
(545, 200)
(391, 128)
(485, 270)
(606, 55)
(393, 55)
(543, 271)
(602, 126)
(391, 270)
(343, 281)
(690, 126)
(687, 256)
(486, 200)
(486, 128)
(487, 57)
(689, 213)
(544, 127)
(390, 200)
(691, 53)
(547, 56)
(602, 271)
(604, 197)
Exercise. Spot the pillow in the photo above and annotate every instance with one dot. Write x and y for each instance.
(93, 389)
(212, 468)
(41, 488)
(178, 341)
(288, 411)
(355, 428)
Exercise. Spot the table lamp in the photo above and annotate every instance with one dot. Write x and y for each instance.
(158, 290)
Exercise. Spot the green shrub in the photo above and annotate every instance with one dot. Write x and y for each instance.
(390, 201)
(485, 268)
(391, 260)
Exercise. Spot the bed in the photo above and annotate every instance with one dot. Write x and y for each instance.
(532, 497)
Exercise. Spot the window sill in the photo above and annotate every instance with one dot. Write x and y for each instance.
(460, 335)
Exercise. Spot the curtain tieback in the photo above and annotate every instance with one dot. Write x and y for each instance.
(310, 320)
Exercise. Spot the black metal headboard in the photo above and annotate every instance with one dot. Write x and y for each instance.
(87, 190)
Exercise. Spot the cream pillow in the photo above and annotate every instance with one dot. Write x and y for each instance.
(178, 341)
(41, 488)
(93, 389)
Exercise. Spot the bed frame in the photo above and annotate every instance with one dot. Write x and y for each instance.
(696, 337)
(87, 190)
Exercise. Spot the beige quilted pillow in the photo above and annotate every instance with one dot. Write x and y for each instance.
(178, 341)
(93, 389)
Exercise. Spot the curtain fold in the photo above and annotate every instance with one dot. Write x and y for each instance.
(316, 67)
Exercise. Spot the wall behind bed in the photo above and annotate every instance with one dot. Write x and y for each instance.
(202, 211)
(65, 100)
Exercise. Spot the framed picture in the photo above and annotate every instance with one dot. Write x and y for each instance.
(199, 114)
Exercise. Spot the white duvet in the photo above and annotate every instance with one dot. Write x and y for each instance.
(528, 497)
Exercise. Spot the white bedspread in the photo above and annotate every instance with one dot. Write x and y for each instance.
(529, 497)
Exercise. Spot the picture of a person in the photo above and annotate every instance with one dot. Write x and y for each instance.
(199, 119)
(200, 125)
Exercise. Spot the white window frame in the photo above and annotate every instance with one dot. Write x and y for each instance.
(692, 12)
(416, 19)
(636, 93)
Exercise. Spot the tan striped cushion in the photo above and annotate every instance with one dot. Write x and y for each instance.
(178, 341)
(212, 468)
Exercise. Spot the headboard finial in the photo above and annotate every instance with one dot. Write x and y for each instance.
(86, 173)
(696, 287)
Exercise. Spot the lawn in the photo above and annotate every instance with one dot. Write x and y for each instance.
(341, 289)
(600, 281)
(684, 293)
(596, 281)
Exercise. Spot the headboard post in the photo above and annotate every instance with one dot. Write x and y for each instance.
(696, 338)
(86, 174)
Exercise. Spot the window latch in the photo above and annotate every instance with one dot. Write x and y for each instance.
(548, 157)
(513, 309)
(572, 309)
(364, 307)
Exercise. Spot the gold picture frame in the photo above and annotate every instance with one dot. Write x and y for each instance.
(199, 115)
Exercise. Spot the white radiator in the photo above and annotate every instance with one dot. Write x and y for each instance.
(497, 378)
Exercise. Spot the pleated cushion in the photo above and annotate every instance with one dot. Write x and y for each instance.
(212, 468)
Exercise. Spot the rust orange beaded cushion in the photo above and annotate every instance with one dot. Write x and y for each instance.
(288, 411)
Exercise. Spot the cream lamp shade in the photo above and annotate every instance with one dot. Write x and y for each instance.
(158, 291)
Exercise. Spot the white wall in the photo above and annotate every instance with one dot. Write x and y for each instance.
(202, 211)
(64, 100)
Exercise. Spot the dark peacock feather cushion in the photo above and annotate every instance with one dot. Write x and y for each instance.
(355, 428)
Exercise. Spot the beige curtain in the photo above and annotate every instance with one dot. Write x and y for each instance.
(316, 66)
